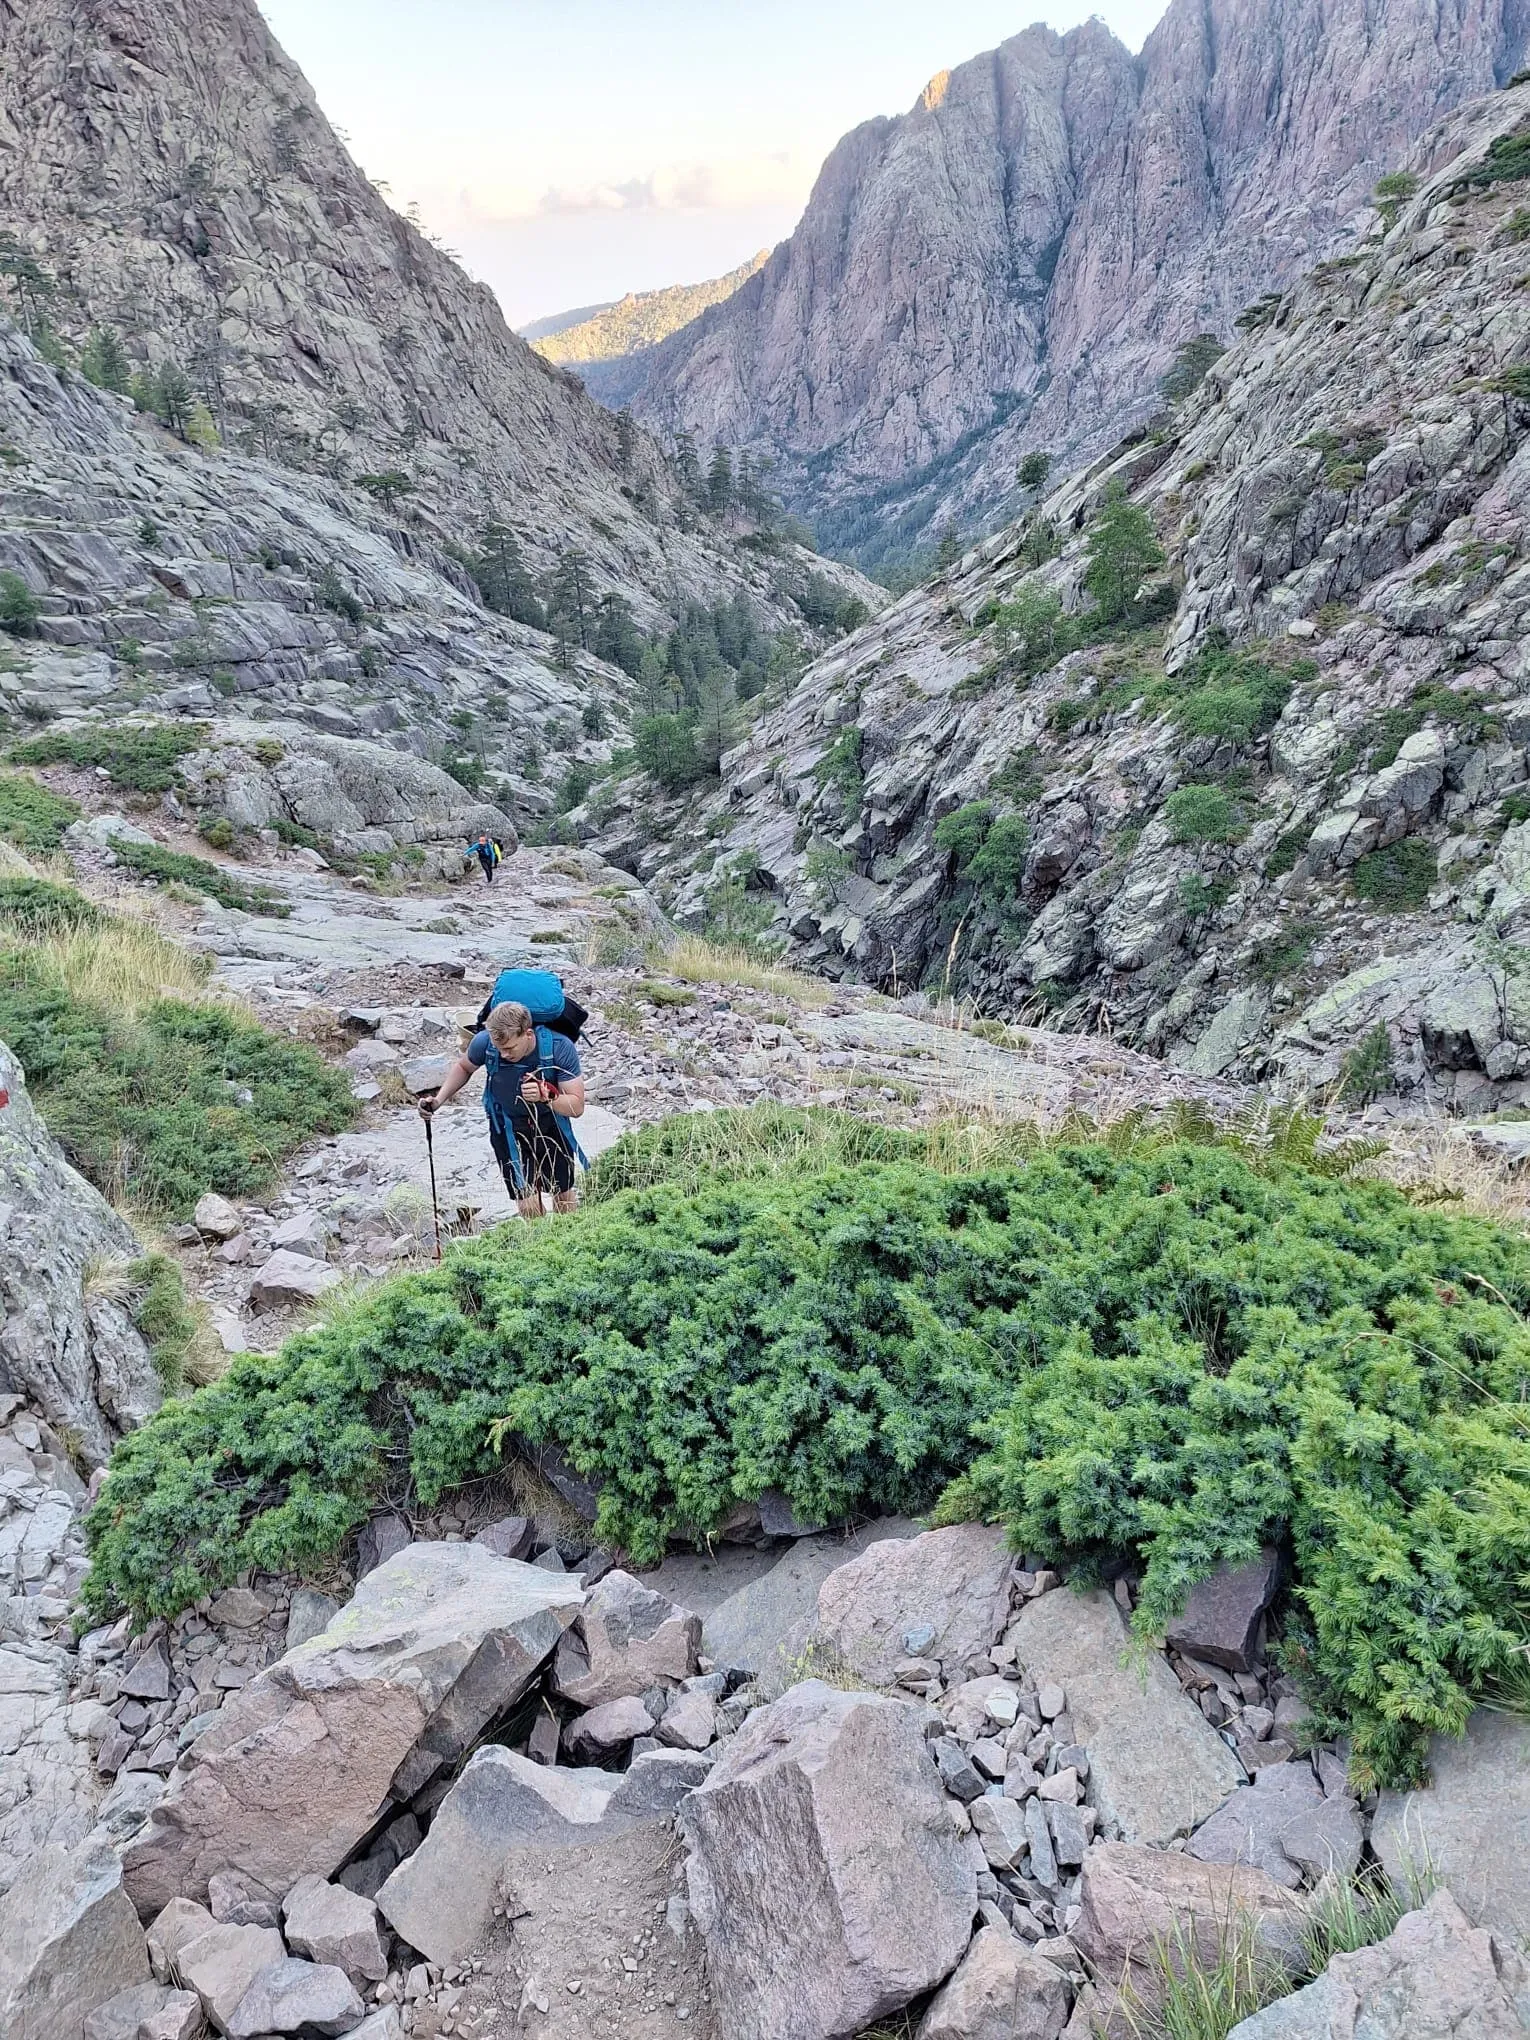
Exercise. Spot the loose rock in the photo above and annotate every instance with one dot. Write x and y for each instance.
(625, 1639)
(816, 1919)
(999, 1992)
(945, 1581)
(69, 1940)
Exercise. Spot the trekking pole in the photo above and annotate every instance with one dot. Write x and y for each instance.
(435, 1204)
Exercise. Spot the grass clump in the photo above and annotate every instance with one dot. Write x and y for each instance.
(1163, 1350)
(165, 1318)
(31, 816)
(153, 1094)
(702, 962)
(137, 757)
(1235, 695)
(175, 867)
(1398, 879)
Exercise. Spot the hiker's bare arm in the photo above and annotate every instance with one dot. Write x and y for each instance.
(567, 1100)
(459, 1074)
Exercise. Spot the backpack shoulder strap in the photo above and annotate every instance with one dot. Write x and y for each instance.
(547, 1066)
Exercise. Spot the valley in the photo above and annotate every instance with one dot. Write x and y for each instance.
(1005, 1513)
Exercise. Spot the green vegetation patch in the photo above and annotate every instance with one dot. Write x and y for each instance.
(139, 758)
(164, 1317)
(1236, 695)
(1202, 814)
(1156, 1349)
(31, 815)
(35, 906)
(159, 1106)
(1398, 879)
(1507, 159)
(175, 867)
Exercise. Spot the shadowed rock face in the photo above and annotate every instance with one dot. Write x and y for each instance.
(1344, 500)
(1019, 255)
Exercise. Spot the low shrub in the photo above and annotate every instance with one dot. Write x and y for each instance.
(156, 1100)
(31, 815)
(1234, 695)
(137, 757)
(1202, 814)
(175, 867)
(35, 906)
(1398, 879)
(1156, 1350)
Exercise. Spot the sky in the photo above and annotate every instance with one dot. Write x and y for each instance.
(572, 150)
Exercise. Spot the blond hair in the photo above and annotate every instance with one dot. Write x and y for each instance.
(509, 1022)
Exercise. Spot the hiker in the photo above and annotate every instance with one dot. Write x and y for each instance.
(532, 1088)
(489, 855)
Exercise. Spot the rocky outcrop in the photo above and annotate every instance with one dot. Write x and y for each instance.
(1344, 502)
(293, 1772)
(65, 1344)
(815, 1921)
(358, 799)
(1011, 264)
(1156, 1767)
(1469, 1828)
(1434, 1976)
(69, 1939)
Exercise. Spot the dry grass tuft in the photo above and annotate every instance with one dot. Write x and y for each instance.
(701, 962)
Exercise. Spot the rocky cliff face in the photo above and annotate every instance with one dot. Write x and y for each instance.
(1012, 264)
(1298, 817)
(170, 169)
(66, 1347)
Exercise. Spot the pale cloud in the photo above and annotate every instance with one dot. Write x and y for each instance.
(692, 188)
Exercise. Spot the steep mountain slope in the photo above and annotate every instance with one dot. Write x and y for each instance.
(170, 582)
(598, 346)
(1299, 817)
(171, 171)
(1012, 264)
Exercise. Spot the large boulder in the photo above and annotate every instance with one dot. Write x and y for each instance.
(1435, 1977)
(1000, 1991)
(827, 1874)
(222, 1962)
(76, 1357)
(1470, 1827)
(764, 1625)
(1156, 1766)
(1135, 1901)
(441, 1898)
(932, 1596)
(1284, 1825)
(298, 1765)
(69, 1940)
(329, 1924)
(625, 1640)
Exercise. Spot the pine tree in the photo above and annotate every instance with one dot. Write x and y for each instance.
(1123, 547)
(717, 720)
(28, 283)
(502, 576)
(654, 683)
(688, 468)
(948, 548)
(720, 489)
(104, 362)
(626, 441)
(569, 596)
(1034, 470)
(617, 637)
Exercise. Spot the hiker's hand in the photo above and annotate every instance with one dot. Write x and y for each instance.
(428, 1105)
(535, 1092)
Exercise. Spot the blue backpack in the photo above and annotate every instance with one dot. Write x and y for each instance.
(543, 996)
(499, 1119)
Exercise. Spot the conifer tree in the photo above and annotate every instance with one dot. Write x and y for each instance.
(720, 487)
(1123, 546)
(104, 362)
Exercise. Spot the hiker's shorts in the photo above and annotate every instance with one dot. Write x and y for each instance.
(547, 1162)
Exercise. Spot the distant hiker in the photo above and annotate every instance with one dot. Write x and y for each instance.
(532, 1089)
(489, 854)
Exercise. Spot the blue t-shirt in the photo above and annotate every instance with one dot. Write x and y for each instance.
(559, 1064)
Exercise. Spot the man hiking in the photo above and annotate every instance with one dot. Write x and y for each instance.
(489, 855)
(532, 1089)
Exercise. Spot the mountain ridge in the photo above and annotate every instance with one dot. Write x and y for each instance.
(1011, 265)
(173, 175)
